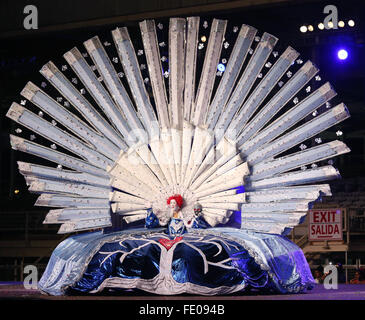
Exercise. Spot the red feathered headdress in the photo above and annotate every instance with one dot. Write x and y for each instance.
(178, 198)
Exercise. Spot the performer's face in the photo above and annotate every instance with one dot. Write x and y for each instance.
(173, 204)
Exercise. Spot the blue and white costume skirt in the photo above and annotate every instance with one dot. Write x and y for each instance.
(202, 261)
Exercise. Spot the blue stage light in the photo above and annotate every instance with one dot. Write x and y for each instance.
(342, 54)
(221, 67)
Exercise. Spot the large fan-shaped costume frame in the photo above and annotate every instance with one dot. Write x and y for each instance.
(128, 151)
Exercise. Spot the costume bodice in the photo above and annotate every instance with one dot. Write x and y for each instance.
(176, 227)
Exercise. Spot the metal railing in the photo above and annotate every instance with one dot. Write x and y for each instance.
(25, 224)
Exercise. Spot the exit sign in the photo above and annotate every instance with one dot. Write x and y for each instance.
(325, 224)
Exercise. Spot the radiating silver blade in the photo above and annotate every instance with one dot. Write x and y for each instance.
(81, 225)
(42, 185)
(263, 89)
(177, 66)
(149, 37)
(122, 177)
(290, 219)
(246, 81)
(302, 133)
(235, 198)
(269, 207)
(295, 178)
(235, 62)
(147, 156)
(56, 200)
(64, 86)
(176, 86)
(23, 145)
(187, 136)
(266, 226)
(201, 142)
(125, 207)
(135, 165)
(248, 144)
(216, 157)
(217, 170)
(76, 214)
(30, 169)
(298, 81)
(190, 67)
(134, 217)
(229, 184)
(133, 74)
(121, 184)
(208, 73)
(115, 87)
(238, 171)
(223, 206)
(70, 121)
(296, 160)
(309, 192)
(117, 196)
(62, 138)
(100, 94)
(227, 193)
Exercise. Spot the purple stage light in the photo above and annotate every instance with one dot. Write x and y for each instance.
(342, 54)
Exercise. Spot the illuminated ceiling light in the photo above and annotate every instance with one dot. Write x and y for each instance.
(342, 54)
(203, 38)
(16, 191)
(303, 29)
(310, 28)
(330, 24)
(321, 26)
(351, 23)
(341, 24)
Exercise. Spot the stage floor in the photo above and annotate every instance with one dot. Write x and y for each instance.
(16, 290)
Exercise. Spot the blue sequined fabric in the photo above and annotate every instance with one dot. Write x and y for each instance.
(176, 227)
(202, 261)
